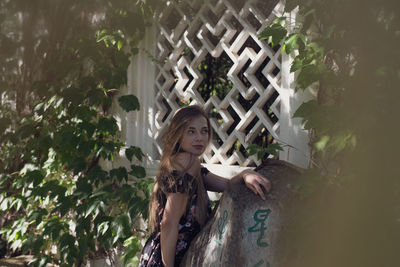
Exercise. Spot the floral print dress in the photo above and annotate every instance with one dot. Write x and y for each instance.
(188, 226)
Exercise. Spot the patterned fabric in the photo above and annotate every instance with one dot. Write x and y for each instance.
(188, 226)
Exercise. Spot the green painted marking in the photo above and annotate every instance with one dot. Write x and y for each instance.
(260, 216)
(222, 222)
(219, 243)
(258, 264)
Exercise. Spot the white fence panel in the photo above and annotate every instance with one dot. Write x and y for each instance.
(166, 72)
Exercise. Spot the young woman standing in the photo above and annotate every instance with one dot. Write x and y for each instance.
(179, 206)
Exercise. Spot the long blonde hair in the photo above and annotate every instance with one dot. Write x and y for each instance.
(170, 148)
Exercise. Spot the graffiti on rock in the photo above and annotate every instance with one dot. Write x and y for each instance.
(222, 224)
(260, 216)
(260, 264)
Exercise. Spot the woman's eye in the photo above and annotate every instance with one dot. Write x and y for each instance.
(204, 132)
(190, 131)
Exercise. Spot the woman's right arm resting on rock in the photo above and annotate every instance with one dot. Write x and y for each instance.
(174, 209)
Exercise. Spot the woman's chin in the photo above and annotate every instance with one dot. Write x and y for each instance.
(197, 153)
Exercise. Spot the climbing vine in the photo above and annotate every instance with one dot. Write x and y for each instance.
(328, 49)
(62, 65)
(346, 53)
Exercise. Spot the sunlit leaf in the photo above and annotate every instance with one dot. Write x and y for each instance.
(320, 145)
(275, 32)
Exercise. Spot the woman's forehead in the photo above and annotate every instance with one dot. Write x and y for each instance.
(198, 122)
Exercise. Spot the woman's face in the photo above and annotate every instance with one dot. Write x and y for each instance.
(195, 136)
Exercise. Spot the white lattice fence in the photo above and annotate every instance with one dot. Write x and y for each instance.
(260, 100)
(216, 27)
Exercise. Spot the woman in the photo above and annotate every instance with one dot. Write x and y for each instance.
(180, 207)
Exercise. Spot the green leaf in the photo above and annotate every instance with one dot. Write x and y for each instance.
(95, 96)
(252, 149)
(33, 243)
(320, 145)
(107, 125)
(37, 215)
(97, 174)
(261, 154)
(129, 102)
(83, 187)
(66, 241)
(138, 171)
(342, 140)
(290, 43)
(27, 130)
(88, 127)
(296, 64)
(132, 247)
(121, 226)
(306, 111)
(35, 177)
(103, 227)
(94, 206)
(4, 124)
(77, 165)
(53, 228)
(63, 205)
(134, 151)
(73, 95)
(273, 149)
(307, 76)
(83, 225)
(85, 148)
(108, 39)
(275, 32)
(16, 203)
(5, 203)
(82, 245)
(120, 173)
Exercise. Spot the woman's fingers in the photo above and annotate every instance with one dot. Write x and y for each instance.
(266, 184)
(253, 189)
(256, 183)
(259, 191)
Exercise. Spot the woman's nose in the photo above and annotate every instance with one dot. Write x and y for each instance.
(198, 137)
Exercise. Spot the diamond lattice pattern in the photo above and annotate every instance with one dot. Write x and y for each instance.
(192, 31)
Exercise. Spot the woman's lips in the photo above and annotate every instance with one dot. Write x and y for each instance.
(198, 147)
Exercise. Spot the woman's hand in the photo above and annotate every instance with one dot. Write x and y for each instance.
(255, 182)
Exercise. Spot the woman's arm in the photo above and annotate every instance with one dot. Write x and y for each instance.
(254, 181)
(174, 209)
(215, 183)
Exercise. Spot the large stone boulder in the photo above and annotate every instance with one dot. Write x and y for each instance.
(245, 229)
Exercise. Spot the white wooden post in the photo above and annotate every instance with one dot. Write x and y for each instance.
(140, 124)
(297, 150)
